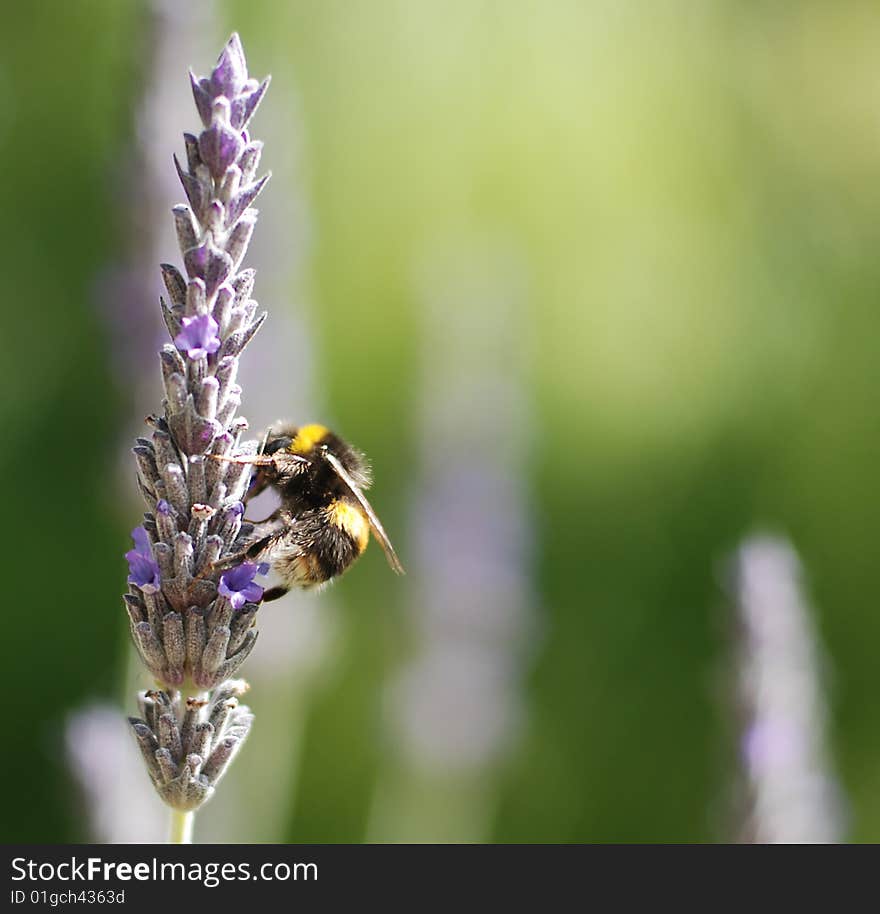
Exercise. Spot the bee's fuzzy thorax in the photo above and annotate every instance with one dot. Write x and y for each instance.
(307, 438)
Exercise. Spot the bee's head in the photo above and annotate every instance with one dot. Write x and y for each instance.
(313, 441)
(306, 445)
(294, 454)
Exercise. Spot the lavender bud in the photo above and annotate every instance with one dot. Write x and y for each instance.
(185, 751)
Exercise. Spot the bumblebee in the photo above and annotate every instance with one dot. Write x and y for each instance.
(324, 521)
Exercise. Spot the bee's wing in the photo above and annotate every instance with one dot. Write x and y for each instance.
(375, 523)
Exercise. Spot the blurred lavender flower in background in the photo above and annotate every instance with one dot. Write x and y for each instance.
(790, 793)
(456, 707)
(118, 803)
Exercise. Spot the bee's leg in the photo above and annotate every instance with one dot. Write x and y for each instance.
(273, 593)
(256, 549)
(259, 483)
(252, 552)
(222, 564)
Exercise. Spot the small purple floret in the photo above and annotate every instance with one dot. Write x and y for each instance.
(142, 567)
(238, 584)
(198, 337)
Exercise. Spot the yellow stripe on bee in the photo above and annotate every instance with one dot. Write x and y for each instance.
(306, 439)
(350, 519)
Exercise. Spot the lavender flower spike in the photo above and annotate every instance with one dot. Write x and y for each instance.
(192, 627)
(788, 791)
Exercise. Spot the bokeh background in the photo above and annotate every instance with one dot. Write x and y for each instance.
(594, 284)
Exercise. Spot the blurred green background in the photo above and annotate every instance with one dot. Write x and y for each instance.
(688, 197)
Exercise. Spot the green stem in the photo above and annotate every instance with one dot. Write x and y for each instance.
(181, 827)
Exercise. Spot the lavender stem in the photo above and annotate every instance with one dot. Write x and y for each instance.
(181, 827)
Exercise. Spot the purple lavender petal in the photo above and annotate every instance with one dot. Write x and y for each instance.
(240, 576)
(198, 337)
(238, 586)
(143, 569)
(142, 542)
(235, 598)
(252, 593)
(143, 572)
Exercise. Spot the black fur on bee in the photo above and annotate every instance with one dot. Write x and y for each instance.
(324, 521)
